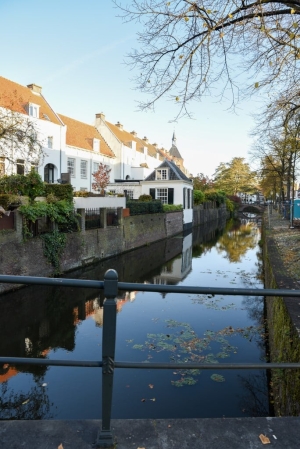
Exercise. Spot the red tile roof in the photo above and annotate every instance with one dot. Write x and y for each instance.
(81, 135)
(15, 97)
(125, 137)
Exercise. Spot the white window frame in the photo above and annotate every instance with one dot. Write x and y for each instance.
(33, 110)
(162, 174)
(162, 195)
(50, 142)
(83, 169)
(71, 166)
(130, 194)
(95, 166)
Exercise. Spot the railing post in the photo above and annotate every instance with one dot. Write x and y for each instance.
(105, 438)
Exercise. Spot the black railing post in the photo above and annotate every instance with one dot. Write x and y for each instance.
(105, 438)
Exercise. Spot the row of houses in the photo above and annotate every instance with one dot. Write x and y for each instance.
(73, 150)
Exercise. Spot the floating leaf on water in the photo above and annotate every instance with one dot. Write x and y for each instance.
(217, 378)
(151, 386)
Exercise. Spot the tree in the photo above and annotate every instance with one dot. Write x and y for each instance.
(18, 134)
(202, 182)
(101, 177)
(187, 46)
(235, 176)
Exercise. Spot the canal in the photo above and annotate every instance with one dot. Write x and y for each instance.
(66, 323)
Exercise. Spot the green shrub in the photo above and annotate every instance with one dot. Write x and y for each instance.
(4, 200)
(229, 205)
(140, 208)
(61, 191)
(218, 196)
(145, 198)
(172, 207)
(199, 197)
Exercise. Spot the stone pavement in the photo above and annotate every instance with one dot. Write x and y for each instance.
(214, 433)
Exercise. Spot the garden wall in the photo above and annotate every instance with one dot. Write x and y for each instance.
(88, 247)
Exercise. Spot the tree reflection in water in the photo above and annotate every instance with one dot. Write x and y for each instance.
(34, 404)
(237, 240)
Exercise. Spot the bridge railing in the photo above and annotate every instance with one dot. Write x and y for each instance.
(110, 285)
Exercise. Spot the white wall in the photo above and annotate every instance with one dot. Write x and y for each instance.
(98, 202)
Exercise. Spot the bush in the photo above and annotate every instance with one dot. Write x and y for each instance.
(229, 205)
(199, 197)
(81, 194)
(218, 196)
(145, 198)
(172, 207)
(140, 208)
(61, 191)
(30, 185)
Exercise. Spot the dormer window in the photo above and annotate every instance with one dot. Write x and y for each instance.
(161, 174)
(96, 145)
(33, 110)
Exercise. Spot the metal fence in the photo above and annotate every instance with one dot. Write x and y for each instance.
(92, 218)
(110, 285)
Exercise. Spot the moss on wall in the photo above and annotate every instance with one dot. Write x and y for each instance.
(284, 342)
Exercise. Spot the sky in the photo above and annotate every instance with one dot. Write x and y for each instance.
(76, 50)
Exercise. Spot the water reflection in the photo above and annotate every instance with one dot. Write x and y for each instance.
(50, 322)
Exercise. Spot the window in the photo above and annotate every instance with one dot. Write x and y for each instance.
(130, 194)
(2, 166)
(162, 195)
(83, 169)
(83, 189)
(20, 166)
(71, 167)
(33, 110)
(50, 142)
(49, 173)
(162, 174)
(95, 166)
(34, 166)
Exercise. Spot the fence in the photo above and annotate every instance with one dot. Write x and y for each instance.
(101, 218)
(7, 222)
(110, 285)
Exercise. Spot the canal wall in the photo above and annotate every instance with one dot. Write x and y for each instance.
(88, 247)
(283, 322)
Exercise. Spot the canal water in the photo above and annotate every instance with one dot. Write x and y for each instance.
(66, 323)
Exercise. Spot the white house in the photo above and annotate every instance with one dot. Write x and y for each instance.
(29, 104)
(170, 185)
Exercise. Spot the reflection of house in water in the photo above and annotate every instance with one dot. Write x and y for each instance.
(177, 269)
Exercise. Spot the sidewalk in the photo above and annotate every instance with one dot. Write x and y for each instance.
(216, 433)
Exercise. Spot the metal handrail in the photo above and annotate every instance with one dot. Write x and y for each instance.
(110, 285)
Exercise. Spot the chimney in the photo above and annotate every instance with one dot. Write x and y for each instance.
(134, 133)
(119, 125)
(101, 115)
(35, 88)
(155, 145)
(145, 139)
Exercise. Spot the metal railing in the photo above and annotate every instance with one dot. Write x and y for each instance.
(110, 285)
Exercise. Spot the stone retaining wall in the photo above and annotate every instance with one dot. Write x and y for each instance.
(87, 247)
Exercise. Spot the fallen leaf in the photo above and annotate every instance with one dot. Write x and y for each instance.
(44, 385)
(6, 365)
(141, 448)
(169, 425)
(143, 400)
(264, 439)
(153, 399)
(151, 386)
(60, 446)
(25, 402)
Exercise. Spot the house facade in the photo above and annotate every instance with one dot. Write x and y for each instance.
(170, 185)
(72, 150)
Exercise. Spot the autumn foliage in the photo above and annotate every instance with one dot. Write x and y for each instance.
(101, 177)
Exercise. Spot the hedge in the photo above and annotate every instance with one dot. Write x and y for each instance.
(140, 208)
(61, 191)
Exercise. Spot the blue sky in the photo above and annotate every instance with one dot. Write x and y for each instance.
(76, 49)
